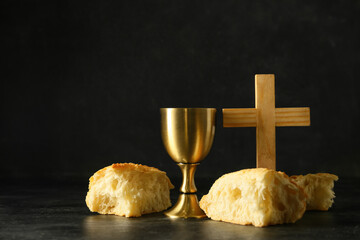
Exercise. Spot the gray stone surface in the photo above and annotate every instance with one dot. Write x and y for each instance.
(58, 211)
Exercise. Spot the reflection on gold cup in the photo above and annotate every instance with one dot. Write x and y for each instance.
(187, 134)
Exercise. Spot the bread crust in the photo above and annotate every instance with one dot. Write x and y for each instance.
(323, 175)
(126, 166)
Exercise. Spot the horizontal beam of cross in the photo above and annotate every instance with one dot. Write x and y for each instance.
(284, 117)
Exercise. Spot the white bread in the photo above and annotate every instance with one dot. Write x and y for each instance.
(128, 189)
(318, 188)
(258, 196)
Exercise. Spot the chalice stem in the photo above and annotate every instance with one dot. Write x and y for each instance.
(187, 204)
(188, 172)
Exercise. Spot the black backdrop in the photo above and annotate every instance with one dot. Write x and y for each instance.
(83, 82)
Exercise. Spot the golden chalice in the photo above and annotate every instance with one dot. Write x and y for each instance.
(187, 134)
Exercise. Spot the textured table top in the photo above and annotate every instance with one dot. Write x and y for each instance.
(57, 211)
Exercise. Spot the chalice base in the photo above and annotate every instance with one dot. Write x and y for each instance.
(187, 206)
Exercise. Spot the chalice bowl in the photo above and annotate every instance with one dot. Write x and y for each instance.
(187, 134)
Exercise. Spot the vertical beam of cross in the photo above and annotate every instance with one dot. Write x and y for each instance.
(265, 130)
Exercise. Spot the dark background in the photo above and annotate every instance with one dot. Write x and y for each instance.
(83, 82)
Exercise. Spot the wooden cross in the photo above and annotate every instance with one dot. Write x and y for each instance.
(265, 117)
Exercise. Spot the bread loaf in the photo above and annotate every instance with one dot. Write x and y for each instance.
(258, 196)
(128, 189)
(318, 188)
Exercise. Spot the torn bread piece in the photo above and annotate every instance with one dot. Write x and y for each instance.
(258, 196)
(318, 188)
(129, 190)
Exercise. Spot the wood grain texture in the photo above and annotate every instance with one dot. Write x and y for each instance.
(239, 117)
(284, 117)
(265, 130)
